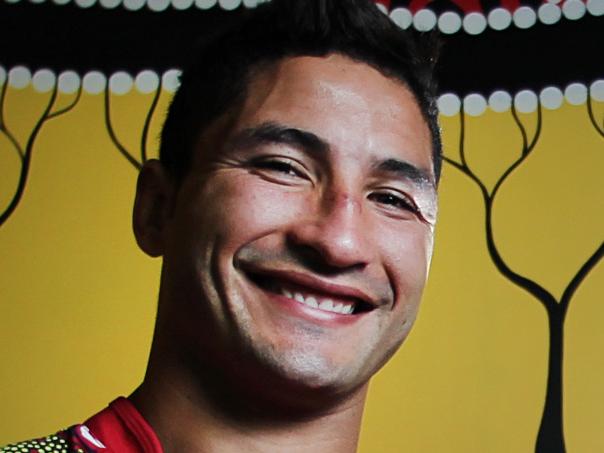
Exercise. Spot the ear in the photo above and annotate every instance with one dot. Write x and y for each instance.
(152, 207)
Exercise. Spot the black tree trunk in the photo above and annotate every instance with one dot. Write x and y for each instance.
(551, 433)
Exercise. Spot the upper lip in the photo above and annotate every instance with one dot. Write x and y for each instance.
(315, 284)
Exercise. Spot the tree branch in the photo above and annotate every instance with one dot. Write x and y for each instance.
(537, 129)
(69, 107)
(592, 116)
(462, 139)
(129, 157)
(532, 287)
(3, 127)
(580, 276)
(526, 150)
(148, 123)
(463, 167)
(546, 299)
(25, 164)
(522, 129)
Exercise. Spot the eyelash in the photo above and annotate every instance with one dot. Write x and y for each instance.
(277, 165)
(387, 198)
(391, 199)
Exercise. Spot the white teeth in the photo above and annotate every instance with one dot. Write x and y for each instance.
(325, 304)
(311, 302)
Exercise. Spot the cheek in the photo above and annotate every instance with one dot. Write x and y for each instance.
(243, 208)
(407, 249)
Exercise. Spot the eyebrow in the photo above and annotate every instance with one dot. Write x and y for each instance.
(405, 170)
(271, 132)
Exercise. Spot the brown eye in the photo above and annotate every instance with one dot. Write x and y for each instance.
(278, 166)
(392, 200)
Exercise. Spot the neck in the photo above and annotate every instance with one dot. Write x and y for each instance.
(187, 417)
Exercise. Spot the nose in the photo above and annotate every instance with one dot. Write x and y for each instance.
(336, 233)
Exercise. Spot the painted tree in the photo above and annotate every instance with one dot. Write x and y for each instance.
(44, 81)
(147, 82)
(550, 438)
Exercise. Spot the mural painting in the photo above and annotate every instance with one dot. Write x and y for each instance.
(505, 356)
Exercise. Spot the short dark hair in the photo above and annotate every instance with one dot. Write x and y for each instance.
(218, 76)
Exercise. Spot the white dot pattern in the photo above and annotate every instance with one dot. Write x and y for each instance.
(120, 83)
(85, 3)
(402, 17)
(229, 4)
(43, 80)
(50, 444)
(526, 101)
(474, 104)
(576, 94)
(146, 81)
(596, 90)
(170, 80)
(133, 5)
(499, 19)
(69, 82)
(524, 17)
(205, 4)
(551, 98)
(449, 22)
(595, 7)
(474, 23)
(449, 104)
(182, 4)
(110, 4)
(19, 77)
(423, 20)
(158, 5)
(500, 101)
(549, 14)
(94, 82)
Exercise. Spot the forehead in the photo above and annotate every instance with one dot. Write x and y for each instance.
(351, 105)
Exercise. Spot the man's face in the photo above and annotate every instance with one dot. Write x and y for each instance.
(301, 237)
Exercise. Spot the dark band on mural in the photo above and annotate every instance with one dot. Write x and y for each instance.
(69, 37)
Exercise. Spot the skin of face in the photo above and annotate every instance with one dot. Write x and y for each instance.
(321, 184)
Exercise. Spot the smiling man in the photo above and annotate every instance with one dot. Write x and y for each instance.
(294, 205)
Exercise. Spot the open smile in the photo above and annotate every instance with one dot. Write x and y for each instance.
(312, 292)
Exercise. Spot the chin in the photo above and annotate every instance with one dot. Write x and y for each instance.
(303, 372)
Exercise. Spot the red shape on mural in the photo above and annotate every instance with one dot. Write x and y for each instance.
(467, 6)
(512, 5)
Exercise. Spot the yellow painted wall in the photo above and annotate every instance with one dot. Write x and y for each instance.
(77, 298)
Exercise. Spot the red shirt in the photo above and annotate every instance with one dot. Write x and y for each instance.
(119, 428)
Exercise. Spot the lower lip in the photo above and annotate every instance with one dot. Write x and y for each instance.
(312, 314)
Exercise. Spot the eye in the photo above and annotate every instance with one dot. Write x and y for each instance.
(280, 168)
(394, 200)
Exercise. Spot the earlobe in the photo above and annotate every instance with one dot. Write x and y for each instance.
(152, 207)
